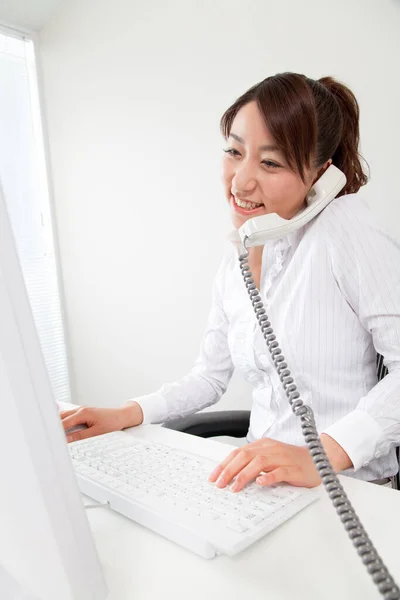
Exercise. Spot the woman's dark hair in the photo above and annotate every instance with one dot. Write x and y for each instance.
(311, 122)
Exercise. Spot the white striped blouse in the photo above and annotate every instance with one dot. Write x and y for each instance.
(332, 292)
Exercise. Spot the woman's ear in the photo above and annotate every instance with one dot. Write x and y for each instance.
(322, 170)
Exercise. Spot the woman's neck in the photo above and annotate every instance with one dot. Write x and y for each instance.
(255, 260)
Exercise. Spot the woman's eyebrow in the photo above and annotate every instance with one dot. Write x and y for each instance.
(265, 148)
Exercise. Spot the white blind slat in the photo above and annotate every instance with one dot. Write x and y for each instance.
(24, 180)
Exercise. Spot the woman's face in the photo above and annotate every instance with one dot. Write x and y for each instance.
(255, 174)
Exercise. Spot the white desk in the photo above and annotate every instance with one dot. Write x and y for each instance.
(308, 557)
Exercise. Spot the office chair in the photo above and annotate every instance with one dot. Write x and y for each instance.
(235, 423)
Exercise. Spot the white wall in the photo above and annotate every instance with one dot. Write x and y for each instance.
(133, 94)
(28, 14)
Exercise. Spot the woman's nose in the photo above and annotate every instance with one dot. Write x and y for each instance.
(244, 181)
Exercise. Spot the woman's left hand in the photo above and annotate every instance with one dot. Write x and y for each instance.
(267, 461)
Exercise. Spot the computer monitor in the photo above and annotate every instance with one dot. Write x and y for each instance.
(46, 546)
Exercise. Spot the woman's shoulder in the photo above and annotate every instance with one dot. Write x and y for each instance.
(230, 255)
(346, 211)
(354, 235)
(349, 220)
(227, 263)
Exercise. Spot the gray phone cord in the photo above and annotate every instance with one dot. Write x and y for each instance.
(370, 557)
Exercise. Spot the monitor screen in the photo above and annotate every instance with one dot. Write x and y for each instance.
(46, 545)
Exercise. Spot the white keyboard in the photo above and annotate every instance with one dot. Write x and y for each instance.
(166, 490)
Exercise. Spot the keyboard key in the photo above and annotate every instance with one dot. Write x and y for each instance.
(237, 526)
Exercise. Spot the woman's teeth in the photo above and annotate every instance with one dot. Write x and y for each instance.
(247, 205)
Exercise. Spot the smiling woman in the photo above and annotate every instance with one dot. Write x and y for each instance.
(256, 174)
(264, 171)
(333, 293)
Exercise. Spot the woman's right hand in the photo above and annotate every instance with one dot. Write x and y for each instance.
(100, 420)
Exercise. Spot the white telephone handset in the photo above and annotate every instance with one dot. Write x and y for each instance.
(269, 227)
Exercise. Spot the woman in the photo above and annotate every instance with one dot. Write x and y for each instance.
(332, 289)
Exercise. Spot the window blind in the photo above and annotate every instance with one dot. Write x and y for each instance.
(24, 180)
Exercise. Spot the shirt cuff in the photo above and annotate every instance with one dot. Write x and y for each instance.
(154, 408)
(359, 435)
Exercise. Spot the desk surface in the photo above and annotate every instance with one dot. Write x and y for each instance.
(307, 557)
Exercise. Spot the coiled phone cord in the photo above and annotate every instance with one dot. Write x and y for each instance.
(346, 512)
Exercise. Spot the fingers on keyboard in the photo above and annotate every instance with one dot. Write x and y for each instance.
(67, 413)
(82, 434)
(73, 420)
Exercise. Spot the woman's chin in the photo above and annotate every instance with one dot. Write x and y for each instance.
(238, 220)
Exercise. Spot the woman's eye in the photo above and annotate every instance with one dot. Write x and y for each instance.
(270, 164)
(232, 151)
